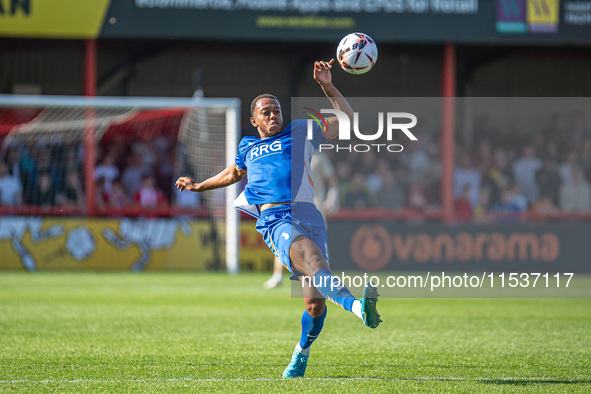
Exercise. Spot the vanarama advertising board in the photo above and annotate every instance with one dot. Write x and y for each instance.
(391, 246)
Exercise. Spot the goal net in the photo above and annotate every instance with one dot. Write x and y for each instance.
(109, 156)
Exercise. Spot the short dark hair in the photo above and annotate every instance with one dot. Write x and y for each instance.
(259, 97)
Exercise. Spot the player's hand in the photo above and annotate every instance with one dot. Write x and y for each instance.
(322, 72)
(186, 183)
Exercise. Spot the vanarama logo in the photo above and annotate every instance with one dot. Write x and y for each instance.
(392, 120)
(373, 247)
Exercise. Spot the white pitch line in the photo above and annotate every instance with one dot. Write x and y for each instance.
(205, 380)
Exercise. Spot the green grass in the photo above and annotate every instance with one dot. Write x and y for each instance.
(187, 332)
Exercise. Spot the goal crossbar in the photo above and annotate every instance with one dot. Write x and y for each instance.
(107, 102)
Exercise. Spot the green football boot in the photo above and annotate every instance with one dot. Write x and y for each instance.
(371, 317)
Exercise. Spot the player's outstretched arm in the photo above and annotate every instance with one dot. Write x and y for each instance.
(225, 178)
(323, 76)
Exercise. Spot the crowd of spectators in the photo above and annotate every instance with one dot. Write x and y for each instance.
(135, 173)
(500, 173)
(41, 173)
(51, 174)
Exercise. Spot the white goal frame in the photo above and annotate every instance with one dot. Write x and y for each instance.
(232, 106)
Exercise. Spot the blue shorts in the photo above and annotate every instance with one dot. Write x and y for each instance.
(282, 224)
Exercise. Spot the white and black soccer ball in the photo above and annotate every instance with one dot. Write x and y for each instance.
(357, 53)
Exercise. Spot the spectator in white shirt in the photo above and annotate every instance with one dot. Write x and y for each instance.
(524, 171)
(575, 194)
(108, 170)
(464, 175)
(11, 188)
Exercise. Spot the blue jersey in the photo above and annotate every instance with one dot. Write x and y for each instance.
(278, 167)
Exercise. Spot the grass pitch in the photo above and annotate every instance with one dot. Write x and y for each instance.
(186, 332)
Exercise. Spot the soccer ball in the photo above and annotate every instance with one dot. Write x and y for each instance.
(357, 53)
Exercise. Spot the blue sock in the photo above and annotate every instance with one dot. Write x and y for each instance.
(332, 289)
(311, 327)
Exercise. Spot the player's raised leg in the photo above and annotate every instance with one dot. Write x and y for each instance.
(307, 258)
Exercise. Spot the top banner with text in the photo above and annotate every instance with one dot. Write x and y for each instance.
(329, 20)
(387, 21)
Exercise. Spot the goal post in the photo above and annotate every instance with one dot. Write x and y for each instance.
(205, 133)
(232, 217)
